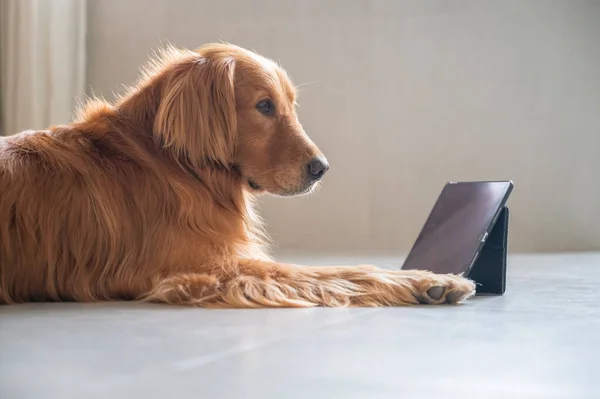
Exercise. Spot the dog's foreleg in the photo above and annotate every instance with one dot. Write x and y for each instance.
(251, 284)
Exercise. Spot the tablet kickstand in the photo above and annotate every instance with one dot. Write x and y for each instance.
(489, 270)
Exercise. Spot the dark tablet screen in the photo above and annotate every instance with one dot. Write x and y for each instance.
(460, 220)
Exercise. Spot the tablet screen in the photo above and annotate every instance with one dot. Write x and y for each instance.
(452, 235)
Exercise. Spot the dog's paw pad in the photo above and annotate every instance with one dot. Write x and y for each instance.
(436, 289)
(455, 296)
(435, 293)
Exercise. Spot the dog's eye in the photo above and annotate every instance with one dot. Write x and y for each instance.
(266, 107)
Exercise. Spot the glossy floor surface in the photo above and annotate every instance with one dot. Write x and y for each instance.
(540, 340)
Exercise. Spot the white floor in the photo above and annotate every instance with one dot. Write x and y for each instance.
(540, 340)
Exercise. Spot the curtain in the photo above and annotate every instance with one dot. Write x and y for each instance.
(42, 62)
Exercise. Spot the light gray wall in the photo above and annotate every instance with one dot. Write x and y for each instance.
(407, 95)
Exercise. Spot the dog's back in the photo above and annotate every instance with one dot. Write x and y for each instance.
(90, 214)
(44, 203)
(64, 211)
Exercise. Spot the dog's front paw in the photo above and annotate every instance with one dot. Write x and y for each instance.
(431, 288)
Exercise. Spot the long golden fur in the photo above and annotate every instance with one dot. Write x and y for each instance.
(150, 198)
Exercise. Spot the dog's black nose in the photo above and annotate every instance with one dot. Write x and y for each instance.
(317, 168)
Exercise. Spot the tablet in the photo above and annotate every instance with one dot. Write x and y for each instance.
(458, 226)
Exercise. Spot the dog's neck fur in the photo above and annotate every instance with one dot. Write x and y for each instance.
(140, 107)
(132, 118)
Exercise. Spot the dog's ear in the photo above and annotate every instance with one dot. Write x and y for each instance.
(196, 118)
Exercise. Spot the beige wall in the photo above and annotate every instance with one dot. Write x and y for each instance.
(407, 95)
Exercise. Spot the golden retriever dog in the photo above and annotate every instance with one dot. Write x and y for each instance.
(150, 198)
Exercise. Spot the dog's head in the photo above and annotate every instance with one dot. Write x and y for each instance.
(228, 106)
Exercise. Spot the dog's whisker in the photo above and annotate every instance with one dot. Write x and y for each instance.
(306, 84)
